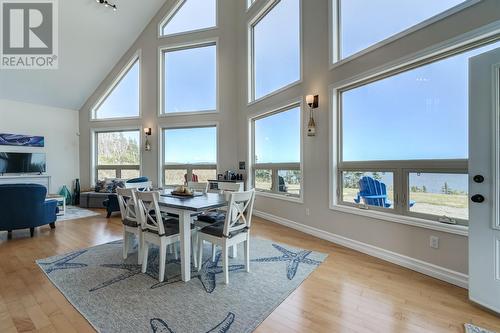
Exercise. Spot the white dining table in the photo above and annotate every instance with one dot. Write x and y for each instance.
(185, 207)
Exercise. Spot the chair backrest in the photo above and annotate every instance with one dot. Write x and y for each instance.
(239, 212)
(149, 211)
(21, 205)
(142, 186)
(231, 187)
(127, 201)
(371, 187)
(200, 187)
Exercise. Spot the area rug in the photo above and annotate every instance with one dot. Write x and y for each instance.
(74, 213)
(114, 296)
(469, 328)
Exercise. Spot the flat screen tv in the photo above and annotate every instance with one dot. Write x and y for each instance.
(22, 163)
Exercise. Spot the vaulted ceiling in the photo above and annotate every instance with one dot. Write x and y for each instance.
(92, 39)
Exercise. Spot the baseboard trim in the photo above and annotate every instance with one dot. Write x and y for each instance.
(438, 272)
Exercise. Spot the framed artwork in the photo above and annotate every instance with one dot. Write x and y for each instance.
(21, 140)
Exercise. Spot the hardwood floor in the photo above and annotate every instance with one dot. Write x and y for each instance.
(350, 292)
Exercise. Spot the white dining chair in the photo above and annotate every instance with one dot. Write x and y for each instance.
(198, 186)
(159, 230)
(127, 201)
(233, 231)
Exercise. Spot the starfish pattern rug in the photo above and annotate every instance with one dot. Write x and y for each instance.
(469, 328)
(115, 296)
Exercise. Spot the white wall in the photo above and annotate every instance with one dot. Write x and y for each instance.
(60, 129)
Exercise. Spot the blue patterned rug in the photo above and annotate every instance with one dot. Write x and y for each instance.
(114, 296)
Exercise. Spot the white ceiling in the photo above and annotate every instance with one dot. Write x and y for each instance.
(92, 39)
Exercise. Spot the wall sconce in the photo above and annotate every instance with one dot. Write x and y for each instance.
(147, 132)
(313, 102)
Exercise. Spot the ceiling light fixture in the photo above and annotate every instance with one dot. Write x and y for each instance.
(107, 4)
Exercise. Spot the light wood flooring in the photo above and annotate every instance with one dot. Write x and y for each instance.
(350, 292)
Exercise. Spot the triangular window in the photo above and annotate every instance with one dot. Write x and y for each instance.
(122, 98)
(190, 15)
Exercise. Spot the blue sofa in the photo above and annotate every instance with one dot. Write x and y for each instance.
(23, 206)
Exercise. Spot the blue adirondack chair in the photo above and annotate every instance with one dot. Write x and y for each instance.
(374, 193)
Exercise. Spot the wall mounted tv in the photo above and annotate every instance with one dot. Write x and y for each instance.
(22, 162)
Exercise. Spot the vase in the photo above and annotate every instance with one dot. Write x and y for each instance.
(76, 193)
(64, 192)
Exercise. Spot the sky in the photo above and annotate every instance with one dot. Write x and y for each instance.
(123, 101)
(191, 145)
(277, 138)
(192, 15)
(382, 19)
(420, 114)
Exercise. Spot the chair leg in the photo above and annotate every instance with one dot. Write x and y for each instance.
(200, 254)
(246, 245)
(193, 249)
(225, 263)
(140, 247)
(214, 249)
(234, 251)
(125, 244)
(145, 252)
(108, 215)
(163, 257)
(52, 225)
(32, 232)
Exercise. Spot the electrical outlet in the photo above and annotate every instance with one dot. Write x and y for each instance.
(434, 242)
(308, 212)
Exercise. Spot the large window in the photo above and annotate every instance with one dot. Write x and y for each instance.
(275, 49)
(122, 99)
(404, 140)
(277, 152)
(190, 15)
(189, 153)
(190, 79)
(117, 154)
(363, 23)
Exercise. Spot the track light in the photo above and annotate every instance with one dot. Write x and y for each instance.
(107, 4)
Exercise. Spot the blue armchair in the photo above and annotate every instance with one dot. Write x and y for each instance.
(23, 206)
(111, 203)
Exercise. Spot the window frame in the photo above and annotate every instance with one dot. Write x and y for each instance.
(335, 31)
(275, 167)
(268, 7)
(189, 167)
(136, 58)
(162, 50)
(94, 152)
(474, 39)
(173, 11)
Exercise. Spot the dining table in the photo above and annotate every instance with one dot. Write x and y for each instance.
(185, 207)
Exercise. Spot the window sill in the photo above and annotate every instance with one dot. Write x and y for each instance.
(187, 113)
(279, 197)
(408, 220)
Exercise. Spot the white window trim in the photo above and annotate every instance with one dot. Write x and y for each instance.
(334, 31)
(173, 11)
(137, 57)
(161, 148)
(453, 46)
(297, 102)
(250, 52)
(161, 75)
(93, 147)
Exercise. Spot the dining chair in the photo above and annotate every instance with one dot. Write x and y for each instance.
(230, 187)
(233, 231)
(158, 230)
(127, 200)
(198, 186)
